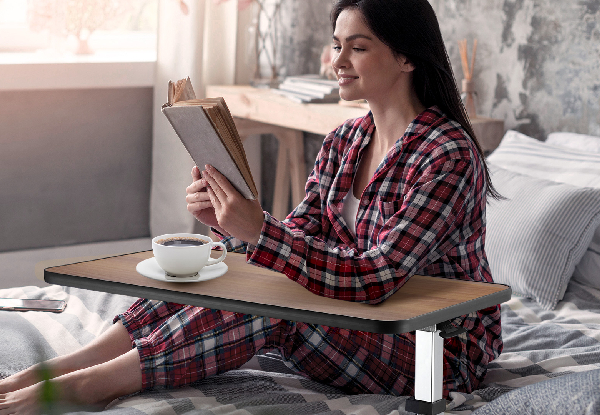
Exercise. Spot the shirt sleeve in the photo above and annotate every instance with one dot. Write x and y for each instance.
(231, 243)
(422, 226)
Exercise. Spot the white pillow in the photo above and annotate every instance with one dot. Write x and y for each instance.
(548, 160)
(588, 269)
(526, 155)
(575, 141)
(538, 234)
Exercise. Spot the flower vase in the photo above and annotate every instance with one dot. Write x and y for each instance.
(83, 47)
(469, 97)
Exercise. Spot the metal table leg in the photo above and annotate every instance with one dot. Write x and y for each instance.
(429, 355)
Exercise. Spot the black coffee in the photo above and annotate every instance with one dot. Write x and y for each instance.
(181, 241)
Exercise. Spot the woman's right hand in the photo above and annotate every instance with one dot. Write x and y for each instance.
(198, 201)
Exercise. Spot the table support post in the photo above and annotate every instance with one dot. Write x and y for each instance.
(429, 367)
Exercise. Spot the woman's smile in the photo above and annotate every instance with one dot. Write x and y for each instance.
(345, 80)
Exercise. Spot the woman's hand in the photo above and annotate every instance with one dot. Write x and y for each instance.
(234, 213)
(198, 201)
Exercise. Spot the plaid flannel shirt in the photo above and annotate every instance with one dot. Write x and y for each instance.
(423, 212)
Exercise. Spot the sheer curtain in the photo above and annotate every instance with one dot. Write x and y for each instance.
(208, 43)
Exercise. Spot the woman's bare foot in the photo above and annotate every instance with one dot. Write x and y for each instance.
(90, 388)
(112, 343)
(20, 380)
(17, 402)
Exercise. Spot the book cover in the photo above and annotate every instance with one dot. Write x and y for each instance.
(206, 129)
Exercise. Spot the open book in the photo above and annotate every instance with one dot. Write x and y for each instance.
(206, 129)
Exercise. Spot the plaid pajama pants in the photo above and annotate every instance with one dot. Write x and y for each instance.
(180, 344)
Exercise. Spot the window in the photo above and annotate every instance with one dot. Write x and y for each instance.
(58, 44)
(80, 27)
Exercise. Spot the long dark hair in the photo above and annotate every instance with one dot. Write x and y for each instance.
(411, 28)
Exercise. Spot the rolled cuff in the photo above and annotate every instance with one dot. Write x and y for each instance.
(274, 246)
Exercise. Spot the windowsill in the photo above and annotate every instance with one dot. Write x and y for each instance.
(103, 69)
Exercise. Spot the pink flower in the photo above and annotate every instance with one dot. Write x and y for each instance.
(326, 68)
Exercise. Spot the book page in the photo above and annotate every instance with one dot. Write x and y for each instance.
(180, 91)
(187, 92)
(220, 116)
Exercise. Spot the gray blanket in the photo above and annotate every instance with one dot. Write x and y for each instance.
(540, 346)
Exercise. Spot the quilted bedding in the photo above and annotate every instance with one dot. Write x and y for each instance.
(540, 346)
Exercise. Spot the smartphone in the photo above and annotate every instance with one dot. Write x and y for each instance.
(13, 304)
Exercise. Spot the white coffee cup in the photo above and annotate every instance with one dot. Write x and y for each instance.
(185, 254)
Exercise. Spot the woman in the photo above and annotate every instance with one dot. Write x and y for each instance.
(397, 192)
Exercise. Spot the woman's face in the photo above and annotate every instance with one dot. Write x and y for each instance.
(366, 68)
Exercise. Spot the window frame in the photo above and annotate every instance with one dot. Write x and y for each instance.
(26, 72)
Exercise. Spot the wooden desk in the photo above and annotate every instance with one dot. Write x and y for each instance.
(260, 111)
(421, 304)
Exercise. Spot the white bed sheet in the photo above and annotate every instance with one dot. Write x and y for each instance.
(539, 345)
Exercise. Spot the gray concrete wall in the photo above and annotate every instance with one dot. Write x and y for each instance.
(538, 61)
(304, 32)
(74, 166)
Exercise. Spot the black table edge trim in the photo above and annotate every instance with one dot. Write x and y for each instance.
(307, 316)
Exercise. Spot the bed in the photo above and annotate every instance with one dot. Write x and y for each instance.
(543, 240)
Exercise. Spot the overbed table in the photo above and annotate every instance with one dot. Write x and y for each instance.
(423, 304)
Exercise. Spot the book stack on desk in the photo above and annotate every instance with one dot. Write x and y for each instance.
(309, 89)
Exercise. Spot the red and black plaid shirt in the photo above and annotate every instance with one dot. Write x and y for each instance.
(423, 212)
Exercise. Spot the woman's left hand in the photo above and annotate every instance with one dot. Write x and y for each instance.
(237, 215)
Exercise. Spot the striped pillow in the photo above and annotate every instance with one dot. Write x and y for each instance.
(588, 270)
(566, 158)
(536, 237)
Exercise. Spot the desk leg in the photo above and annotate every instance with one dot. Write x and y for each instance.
(297, 166)
(281, 193)
(290, 166)
(429, 355)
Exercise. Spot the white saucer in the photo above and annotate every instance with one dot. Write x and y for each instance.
(150, 268)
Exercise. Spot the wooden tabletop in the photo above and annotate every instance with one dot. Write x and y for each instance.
(421, 302)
